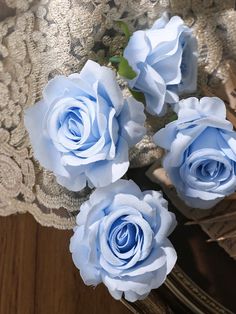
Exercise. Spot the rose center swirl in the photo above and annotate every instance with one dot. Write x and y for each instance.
(207, 169)
(210, 170)
(124, 236)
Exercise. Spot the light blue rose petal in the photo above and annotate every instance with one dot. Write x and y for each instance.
(105, 79)
(123, 199)
(183, 140)
(136, 54)
(227, 142)
(157, 204)
(209, 136)
(161, 22)
(44, 151)
(169, 68)
(72, 182)
(77, 130)
(204, 195)
(113, 128)
(154, 89)
(91, 214)
(93, 154)
(165, 39)
(90, 275)
(132, 119)
(165, 136)
(170, 50)
(140, 285)
(189, 103)
(132, 296)
(145, 242)
(165, 42)
(117, 241)
(196, 202)
(154, 261)
(116, 294)
(166, 226)
(190, 56)
(171, 96)
(104, 172)
(62, 86)
(121, 186)
(170, 253)
(212, 106)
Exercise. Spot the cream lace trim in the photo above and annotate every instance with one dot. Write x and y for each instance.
(43, 38)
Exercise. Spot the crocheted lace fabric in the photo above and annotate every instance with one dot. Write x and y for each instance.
(39, 39)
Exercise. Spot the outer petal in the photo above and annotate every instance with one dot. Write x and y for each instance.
(73, 182)
(227, 142)
(171, 255)
(80, 254)
(153, 262)
(120, 186)
(165, 136)
(169, 68)
(131, 121)
(107, 84)
(196, 202)
(91, 214)
(209, 136)
(141, 285)
(154, 89)
(113, 128)
(212, 106)
(61, 85)
(44, 150)
(161, 22)
(132, 296)
(165, 40)
(103, 173)
(207, 106)
(131, 201)
(166, 221)
(189, 62)
(183, 140)
(187, 109)
(137, 51)
(203, 195)
(100, 153)
(116, 294)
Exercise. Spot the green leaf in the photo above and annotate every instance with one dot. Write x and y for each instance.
(125, 69)
(124, 27)
(173, 117)
(115, 59)
(138, 95)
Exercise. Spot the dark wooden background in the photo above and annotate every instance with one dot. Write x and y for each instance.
(37, 275)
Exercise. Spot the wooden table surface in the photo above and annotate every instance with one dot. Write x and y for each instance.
(37, 275)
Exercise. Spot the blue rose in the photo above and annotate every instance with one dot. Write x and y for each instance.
(165, 60)
(121, 240)
(83, 128)
(201, 152)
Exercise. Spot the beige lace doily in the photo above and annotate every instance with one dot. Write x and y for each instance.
(40, 39)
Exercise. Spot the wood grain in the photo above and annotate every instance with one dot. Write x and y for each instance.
(37, 275)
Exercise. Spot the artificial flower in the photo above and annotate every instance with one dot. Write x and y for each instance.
(201, 151)
(83, 128)
(121, 240)
(165, 61)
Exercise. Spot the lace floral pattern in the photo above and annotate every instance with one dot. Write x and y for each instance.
(43, 38)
